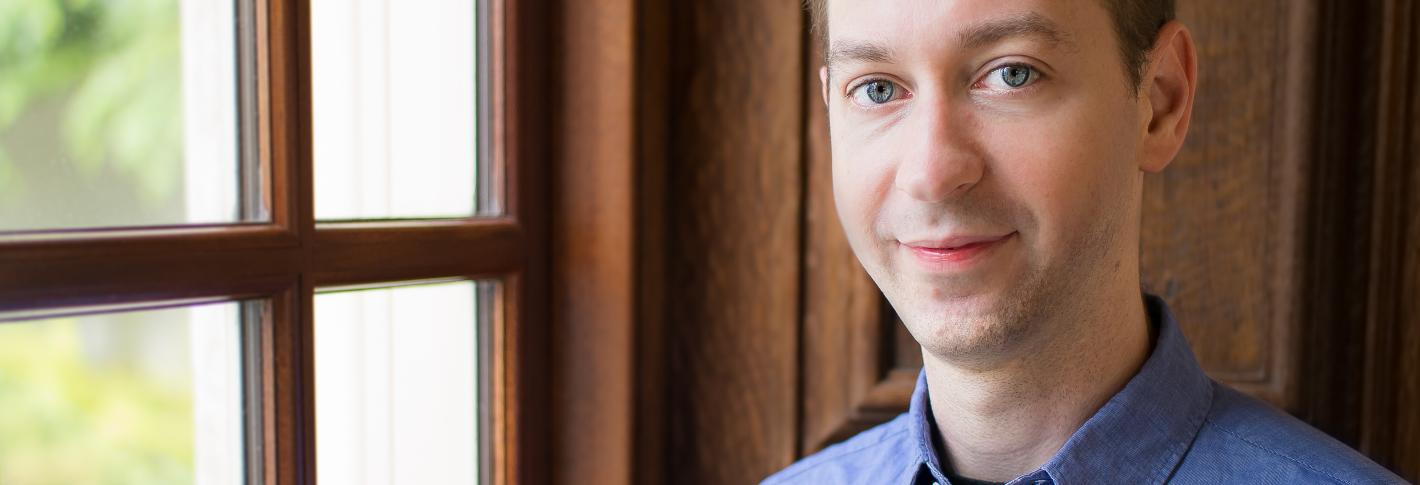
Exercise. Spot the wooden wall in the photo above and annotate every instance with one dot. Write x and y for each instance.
(711, 324)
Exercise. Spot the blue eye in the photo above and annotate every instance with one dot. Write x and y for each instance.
(878, 91)
(1011, 76)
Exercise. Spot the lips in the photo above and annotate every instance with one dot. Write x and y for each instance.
(955, 242)
(955, 251)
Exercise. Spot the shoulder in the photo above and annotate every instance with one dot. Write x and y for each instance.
(1243, 437)
(869, 457)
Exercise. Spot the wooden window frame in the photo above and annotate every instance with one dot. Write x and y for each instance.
(284, 260)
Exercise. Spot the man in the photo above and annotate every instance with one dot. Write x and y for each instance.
(988, 165)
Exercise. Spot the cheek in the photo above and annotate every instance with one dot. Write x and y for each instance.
(1071, 169)
(862, 178)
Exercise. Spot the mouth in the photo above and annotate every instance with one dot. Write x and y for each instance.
(955, 252)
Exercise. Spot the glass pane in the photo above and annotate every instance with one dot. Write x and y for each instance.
(394, 95)
(118, 113)
(397, 385)
(152, 397)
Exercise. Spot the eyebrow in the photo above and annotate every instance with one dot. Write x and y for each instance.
(972, 37)
(857, 51)
(1024, 25)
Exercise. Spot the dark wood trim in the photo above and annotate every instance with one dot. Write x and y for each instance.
(1393, 144)
(1388, 419)
(520, 421)
(288, 422)
(651, 197)
(500, 438)
(521, 78)
(284, 83)
(371, 252)
(271, 407)
(593, 251)
(109, 267)
(1335, 235)
(250, 260)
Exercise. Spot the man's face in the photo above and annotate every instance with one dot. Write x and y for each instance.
(984, 160)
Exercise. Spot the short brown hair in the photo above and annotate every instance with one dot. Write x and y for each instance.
(1136, 24)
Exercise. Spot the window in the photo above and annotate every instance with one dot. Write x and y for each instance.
(120, 114)
(151, 395)
(255, 242)
(397, 383)
(394, 106)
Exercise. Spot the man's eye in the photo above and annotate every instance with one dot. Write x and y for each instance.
(1011, 76)
(875, 92)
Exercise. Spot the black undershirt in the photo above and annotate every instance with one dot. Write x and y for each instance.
(956, 480)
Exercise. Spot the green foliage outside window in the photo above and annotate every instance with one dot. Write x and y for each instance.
(90, 110)
(98, 85)
(71, 417)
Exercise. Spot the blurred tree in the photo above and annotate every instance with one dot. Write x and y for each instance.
(70, 419)
(111, 72)
(116, 65)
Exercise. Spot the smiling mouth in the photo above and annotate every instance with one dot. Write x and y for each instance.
(955, 253)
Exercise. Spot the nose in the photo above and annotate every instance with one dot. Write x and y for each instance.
(942, 160)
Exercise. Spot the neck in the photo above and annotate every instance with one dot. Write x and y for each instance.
(999, 422)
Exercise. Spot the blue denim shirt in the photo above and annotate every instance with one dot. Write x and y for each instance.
(1170, 424)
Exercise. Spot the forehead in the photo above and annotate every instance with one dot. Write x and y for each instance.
(906, 24)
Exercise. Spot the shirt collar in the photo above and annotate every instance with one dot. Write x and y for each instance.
(1139, 436)
(922, 427)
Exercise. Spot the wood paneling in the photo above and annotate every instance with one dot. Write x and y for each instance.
(732, 288)
(1335, 285)
(1231, 283)
(1389, 420)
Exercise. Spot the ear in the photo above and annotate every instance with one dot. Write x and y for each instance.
(1169, 85)
(823, 83)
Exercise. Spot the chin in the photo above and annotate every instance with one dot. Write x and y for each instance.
(967, 325)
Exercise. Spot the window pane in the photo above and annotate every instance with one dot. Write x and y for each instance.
(151, 397)
(118, 114)
(397, 385)
(394, 98)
